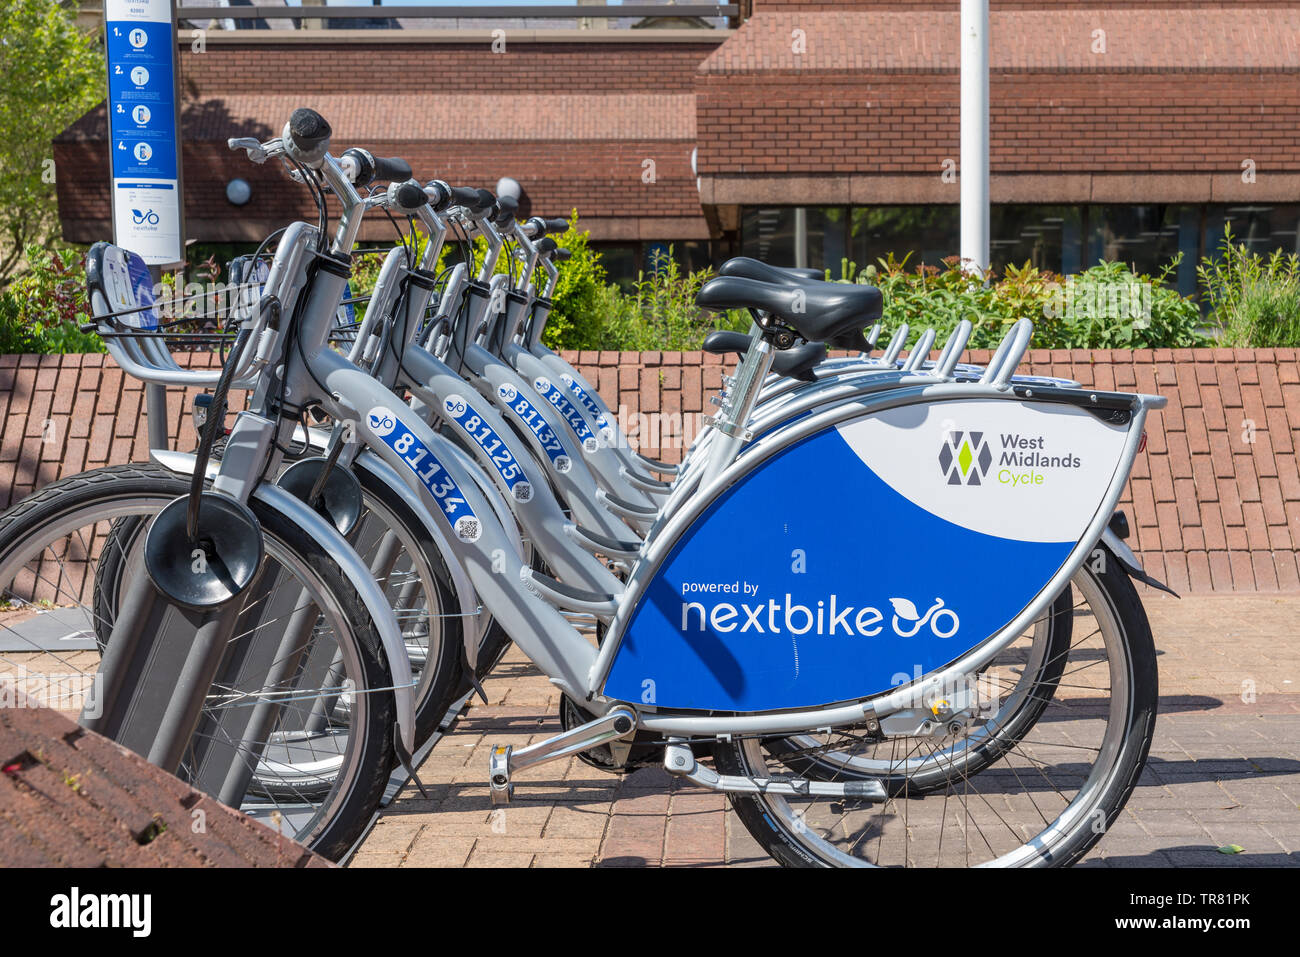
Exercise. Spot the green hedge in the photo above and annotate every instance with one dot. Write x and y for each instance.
(1253, 301)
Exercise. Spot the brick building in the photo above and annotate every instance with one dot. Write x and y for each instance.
(805, 131)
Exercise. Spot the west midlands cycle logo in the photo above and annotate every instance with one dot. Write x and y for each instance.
(965, 458)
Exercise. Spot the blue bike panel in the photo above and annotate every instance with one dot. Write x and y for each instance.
(552, 394)
(814, 581)
(533, 420)
(387, 425)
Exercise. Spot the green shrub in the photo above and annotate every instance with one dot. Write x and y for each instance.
(42, 310)
(1105, 307)
(1254, 300)
(660, 313)
(582, 301)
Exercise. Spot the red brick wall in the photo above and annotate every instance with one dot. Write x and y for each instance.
(1214, 504)
(876, 93)
(372, 68)
(602, 180)
(573, 122)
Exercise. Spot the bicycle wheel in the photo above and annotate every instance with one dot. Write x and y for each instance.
(1015, 687)
(1044, 800)
(303, 643)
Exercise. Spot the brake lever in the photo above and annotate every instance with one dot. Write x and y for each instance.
(250, 145)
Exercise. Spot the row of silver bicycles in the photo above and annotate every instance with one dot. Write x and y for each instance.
(883, 602)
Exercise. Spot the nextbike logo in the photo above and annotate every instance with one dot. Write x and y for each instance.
(828, 618)
(965, 458)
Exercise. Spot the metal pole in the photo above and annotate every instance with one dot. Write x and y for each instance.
(801, 236)
(975, 134)
(155, 407)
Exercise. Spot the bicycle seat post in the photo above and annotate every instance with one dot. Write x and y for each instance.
(737, 407)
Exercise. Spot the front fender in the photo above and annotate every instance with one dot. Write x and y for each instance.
(327, 536)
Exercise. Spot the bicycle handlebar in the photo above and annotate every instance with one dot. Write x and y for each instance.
(470, 199)
(365, 168)
(506, 207)
(408, 197)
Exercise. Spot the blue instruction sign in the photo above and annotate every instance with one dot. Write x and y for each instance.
(143, 142)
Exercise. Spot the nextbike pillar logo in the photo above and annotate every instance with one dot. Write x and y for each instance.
(965, 458)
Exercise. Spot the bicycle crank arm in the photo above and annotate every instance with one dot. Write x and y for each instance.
(505, 760)
(680, 761)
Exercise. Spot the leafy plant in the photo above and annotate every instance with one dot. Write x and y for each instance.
(50, 73)
(1254, 300)
(42, 310)
(1106, 306)
(582, 301)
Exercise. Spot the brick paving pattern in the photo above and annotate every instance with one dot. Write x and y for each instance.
(1224, 769)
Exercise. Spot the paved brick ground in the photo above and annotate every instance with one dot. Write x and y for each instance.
(1224, 769)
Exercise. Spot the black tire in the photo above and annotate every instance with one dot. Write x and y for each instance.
(788, 849)
(352, 809)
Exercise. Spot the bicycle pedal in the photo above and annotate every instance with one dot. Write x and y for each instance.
(500, 786)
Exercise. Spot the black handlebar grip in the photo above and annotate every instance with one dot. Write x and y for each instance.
(547, 245)
(408, 196)
(562, 254)
(308, 129)
(507, 206)
(472, 199)
(556, 225)
(394, 169)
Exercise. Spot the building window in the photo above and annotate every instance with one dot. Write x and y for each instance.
(919, 234)
(815, 236)
(1261, 228)
(1062, 239)
(625, 263)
